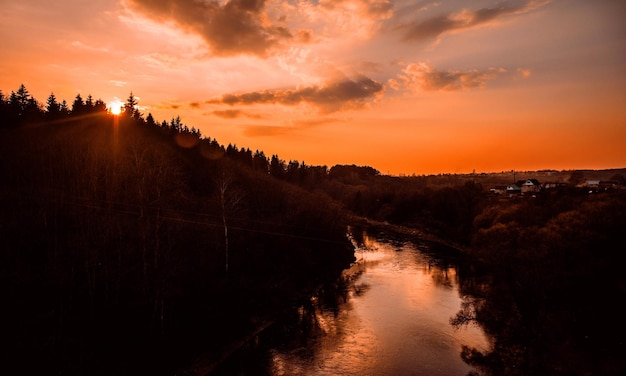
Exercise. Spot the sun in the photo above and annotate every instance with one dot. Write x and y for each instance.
(115, 107)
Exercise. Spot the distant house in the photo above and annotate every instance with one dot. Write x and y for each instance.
(498, 189)
(600, 185)
(529, 185)
(554, 185)
(521, 186)
(513, 189)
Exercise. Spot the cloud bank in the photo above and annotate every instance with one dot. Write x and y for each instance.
(334, 96)
(433, 27)
(422, 76)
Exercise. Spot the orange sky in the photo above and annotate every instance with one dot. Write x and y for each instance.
(404, 86)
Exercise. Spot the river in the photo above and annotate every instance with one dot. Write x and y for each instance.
(389, 314)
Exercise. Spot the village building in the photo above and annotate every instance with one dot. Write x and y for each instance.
(520, 187)
(498, 189)
(513, 189)
(554, 185)
(529, 185)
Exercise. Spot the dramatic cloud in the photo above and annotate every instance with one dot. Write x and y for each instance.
(435, 26)
(334, 96)
(238, 26)
(422, 76)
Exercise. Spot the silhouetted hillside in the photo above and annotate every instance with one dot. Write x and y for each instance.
(129, 245)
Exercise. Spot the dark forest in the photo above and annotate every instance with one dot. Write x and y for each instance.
(124, 239)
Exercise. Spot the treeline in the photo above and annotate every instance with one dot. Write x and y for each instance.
(547, 283)
(128, 245)
(20, 108)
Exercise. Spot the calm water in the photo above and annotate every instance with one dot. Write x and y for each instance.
(388, 316)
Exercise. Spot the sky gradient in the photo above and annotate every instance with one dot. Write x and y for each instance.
(403, 86)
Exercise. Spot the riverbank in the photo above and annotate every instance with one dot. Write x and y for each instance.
(411, 233)
(209, 361)
(388, 314)
(284, 299)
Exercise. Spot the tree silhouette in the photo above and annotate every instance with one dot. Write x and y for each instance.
(100, 106)
(21, 99)
(64, 108)
(130, 108)
(259, 162)
(23, 107)
(150, 120)
(78, 106)
(277, 167)
(53, 108)
(89, 103)
(230, 199)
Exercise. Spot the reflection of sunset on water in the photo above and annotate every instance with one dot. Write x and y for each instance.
(394, 321)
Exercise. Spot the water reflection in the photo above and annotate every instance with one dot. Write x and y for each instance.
(389, 314)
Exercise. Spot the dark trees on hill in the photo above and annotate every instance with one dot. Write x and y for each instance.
(552, 283)
(19, 108)
(53, 108)
(352, 172)
(115, 232)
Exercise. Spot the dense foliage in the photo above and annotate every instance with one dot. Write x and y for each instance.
(550, 285)
(128, 245)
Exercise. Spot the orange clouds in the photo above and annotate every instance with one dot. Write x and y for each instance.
(422, 76)
(331, 97)
(231, 114)
(238, 26)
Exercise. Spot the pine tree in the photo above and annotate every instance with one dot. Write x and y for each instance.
(176, 124)
(259, 161)
(19, 100)
(100, 106)
(23, 107)
(150, 120)
(78, 106)
(65, 110)
(89, 103)
(277, 167)
(53, 108)
(130, 108)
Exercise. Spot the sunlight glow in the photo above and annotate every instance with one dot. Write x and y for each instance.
(115, 107)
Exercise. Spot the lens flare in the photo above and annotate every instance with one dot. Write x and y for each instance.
(115, 107)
